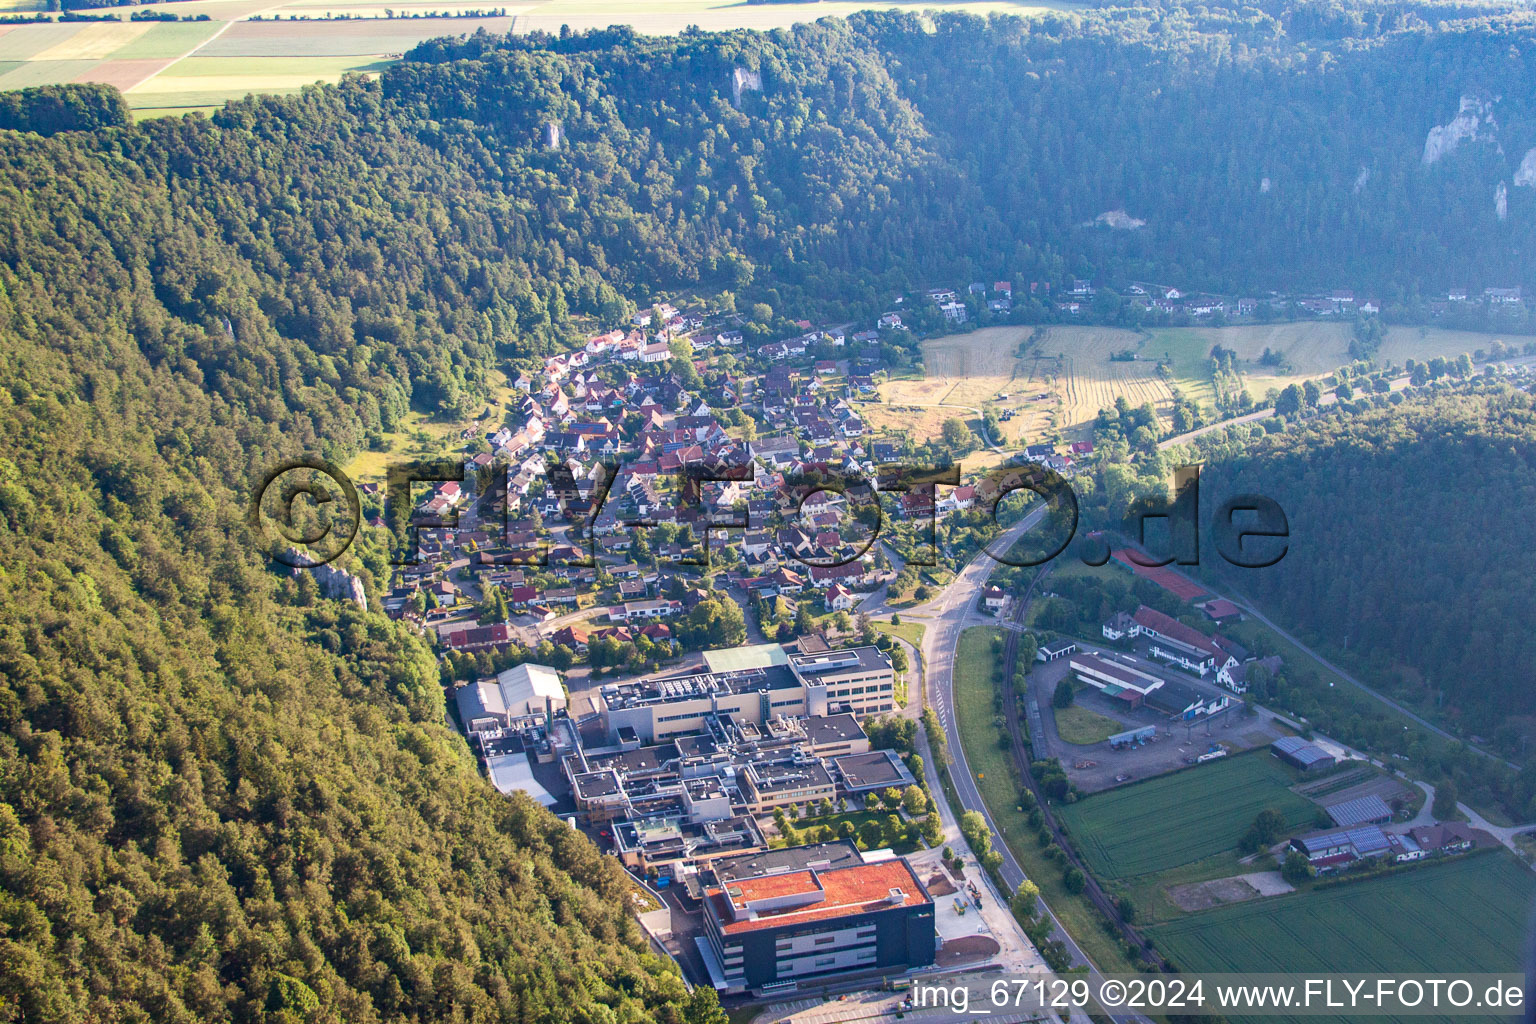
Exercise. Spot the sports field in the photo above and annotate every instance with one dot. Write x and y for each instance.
(1182, 817)
(164, 66)
(1468, 914)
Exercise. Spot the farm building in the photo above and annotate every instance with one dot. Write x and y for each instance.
(1333, 849)
(1113, 679)
(1298, 753)
(1178, 700)
(1056, 649)
(1446, 837)
(1177, 643)
(1131, 737)
(1219, 609)
(1365, 810)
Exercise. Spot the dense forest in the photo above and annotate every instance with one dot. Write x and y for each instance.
(224, 798)
(1410, 540)
(891, 151)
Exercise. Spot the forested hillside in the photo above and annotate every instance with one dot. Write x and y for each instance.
(1410, 536)
(894, 151)
(222, 798)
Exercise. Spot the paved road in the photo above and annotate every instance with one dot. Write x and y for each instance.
(946, 617)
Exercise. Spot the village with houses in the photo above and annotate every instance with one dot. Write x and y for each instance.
(651, 588)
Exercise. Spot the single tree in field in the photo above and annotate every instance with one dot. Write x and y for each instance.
(1446, 799)
(957, 435)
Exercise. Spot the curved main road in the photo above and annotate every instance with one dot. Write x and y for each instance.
(946, 617)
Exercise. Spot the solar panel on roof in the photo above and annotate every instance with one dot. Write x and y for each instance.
(1367, 840)
(1361, 809)
(1299, 749)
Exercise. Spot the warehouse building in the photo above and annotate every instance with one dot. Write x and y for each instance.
(1298, 753)
(516, 697)
(1365, 810)
(1114, 678)
(1055, 649)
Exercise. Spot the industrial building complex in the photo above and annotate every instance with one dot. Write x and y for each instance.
(681, 772)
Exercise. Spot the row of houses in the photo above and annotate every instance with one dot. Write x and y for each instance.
(1175, 643)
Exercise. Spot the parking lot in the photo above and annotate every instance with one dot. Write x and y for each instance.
(1097, 766)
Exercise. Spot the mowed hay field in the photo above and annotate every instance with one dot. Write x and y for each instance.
(1087, 380)
(1467, 914)
(965, 372)
(1313, 348)
(1180, 818)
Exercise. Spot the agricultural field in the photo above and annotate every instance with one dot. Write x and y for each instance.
(1058, 381)
(963, 374)
(1185, 816)
(1087, 380)
(168, 67)
(1312, 349)
(1475, 910)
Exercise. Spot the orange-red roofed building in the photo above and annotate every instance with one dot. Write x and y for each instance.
(773, 924)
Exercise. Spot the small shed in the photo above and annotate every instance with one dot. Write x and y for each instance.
(1056, 649)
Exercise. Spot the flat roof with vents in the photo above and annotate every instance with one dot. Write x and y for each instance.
(799, 897)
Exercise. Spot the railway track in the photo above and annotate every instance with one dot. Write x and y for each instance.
(1095, 892)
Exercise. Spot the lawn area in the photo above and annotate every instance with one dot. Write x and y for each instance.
(418, 437)
(1476, 908)
(1081, 726)
(911, 632)
(1181, 817)
(992, 768)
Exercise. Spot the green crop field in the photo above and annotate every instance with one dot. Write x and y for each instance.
(164, 41)
(1182, 817)
(1466, 915)
(43, 72)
